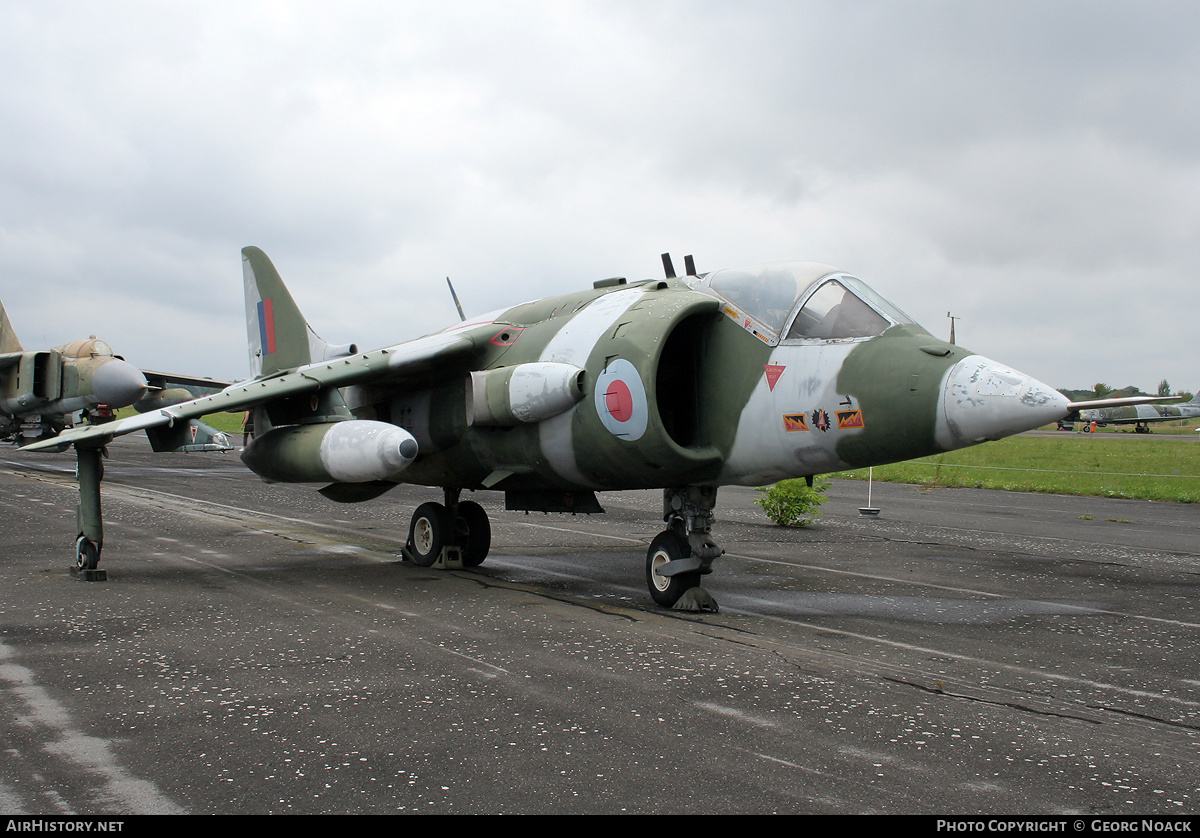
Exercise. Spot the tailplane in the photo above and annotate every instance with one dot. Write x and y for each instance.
(278, 336)
(8, 339)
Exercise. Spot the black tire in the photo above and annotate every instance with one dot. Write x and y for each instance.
(475, 533)
(87, 554)
(427, 533)
(668, 546)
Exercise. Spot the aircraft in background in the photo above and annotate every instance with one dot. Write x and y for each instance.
(79, 385)
(685, 384)
(42, 392)
(1142, 415)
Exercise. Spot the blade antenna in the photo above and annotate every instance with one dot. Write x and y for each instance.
(457, 304)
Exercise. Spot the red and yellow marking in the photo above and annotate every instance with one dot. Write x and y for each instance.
(849, 419)
(795, 422)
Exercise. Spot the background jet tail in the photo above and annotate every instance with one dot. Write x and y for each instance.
(8, 339)
(278, 336)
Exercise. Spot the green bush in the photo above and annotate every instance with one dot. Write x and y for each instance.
(791, 503)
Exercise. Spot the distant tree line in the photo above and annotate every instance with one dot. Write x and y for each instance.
(1102, 391)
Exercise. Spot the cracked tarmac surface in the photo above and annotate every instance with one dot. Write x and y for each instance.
(260, 649)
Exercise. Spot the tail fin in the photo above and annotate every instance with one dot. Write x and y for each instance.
(8, 338)
(279, 337)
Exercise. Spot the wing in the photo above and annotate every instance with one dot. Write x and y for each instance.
(170, 379)
(395, 363)
(1101, 404)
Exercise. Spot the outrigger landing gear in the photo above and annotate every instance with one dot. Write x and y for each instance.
(456, 534)
(684, 552)
(89, 523)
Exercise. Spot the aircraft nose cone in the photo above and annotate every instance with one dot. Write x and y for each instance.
(118, 383)
(984, 400)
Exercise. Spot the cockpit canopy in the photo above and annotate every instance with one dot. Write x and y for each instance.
(89, 348)
(803, 301)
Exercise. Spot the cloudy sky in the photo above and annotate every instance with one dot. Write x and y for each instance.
(1032, 167)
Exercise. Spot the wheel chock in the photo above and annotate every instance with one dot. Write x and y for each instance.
(696, 599)
(88, 575)
(449, 559)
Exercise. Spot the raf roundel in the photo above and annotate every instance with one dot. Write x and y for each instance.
(621, 400)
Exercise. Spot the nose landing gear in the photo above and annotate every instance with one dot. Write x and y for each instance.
(684, 552)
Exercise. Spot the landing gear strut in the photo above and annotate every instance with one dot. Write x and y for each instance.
(89, 524)
(454, 534)
(684, 552)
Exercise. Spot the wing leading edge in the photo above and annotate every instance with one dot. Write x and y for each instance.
(413, 358)
(1100, 404)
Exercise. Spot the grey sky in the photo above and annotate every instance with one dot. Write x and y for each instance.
(1032, 167)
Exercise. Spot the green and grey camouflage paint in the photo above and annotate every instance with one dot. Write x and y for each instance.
(43, 392)
(644, 385)
(741, 377)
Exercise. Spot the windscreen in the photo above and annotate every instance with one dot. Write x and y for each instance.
(834, 312)
(765, 293)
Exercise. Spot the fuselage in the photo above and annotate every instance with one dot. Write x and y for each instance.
(57, 383)
(739, 377)
(1142, 413)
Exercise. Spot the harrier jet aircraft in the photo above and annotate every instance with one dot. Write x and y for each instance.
(685, 384)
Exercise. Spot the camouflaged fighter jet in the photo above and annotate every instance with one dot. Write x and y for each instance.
(736, 377)
(1140, 416)
(44, 392)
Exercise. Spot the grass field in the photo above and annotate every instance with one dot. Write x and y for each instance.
(1115, 466)
(230, 423)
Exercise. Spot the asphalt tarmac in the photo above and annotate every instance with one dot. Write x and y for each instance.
(259, 649)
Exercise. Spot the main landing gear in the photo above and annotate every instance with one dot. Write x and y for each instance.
(457, 534)
(454, 534)
(684, 552)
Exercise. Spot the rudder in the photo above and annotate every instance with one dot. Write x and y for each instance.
(278, 336)
(8, 338)
(276, 331)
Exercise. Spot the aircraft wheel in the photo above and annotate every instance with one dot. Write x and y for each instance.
(476, 533)
(87, 554)
(427, 533)
(667, 547)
